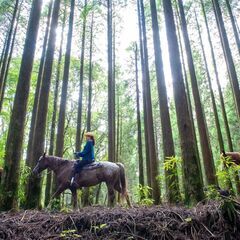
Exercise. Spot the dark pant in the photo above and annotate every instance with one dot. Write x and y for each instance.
(79, 165)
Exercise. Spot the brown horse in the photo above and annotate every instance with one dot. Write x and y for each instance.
(113, 174)
(234, 156)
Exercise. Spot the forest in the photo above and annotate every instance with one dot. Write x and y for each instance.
(152, 86)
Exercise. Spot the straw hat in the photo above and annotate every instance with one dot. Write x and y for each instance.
(89, 134)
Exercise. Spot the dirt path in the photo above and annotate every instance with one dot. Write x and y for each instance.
(202, 222)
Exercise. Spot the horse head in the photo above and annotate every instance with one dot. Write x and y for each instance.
(42, 164)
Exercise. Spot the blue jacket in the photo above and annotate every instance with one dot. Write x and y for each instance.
(88, 152)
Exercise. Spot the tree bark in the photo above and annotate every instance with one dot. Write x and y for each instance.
(34, 182)
(118, 128)
(17, 122)
(80, 102)
(62, 111)
(202, 127)
(144, 98)
(29, 158)
(171, 178)
(186, 83)
(3, 51)
(111, 92)
(151, 141)
(10, 56)
(86, 201)
(216, 118)
(224, 114)
(139, 131)
(54, 116)
(228, 55)
(193, 183)
(89, 113)
(7, 49)
(114, 85)
(234, 26)
(217, 122)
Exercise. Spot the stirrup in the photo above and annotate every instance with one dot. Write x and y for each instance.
(72, 181)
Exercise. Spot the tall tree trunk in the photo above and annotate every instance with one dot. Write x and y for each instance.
(54, 114)
(7, 49)
(114, 87)
(111, 88)
(89, 113)
(62, 111)
(120, 135)
(224, 114)
(3, 51)
(86, 200)
(17, 122)
(139, 129)
(217, 123)
(193, 183)
(236, 23)
(237, 39)
(80, 100)
(118, 128)
(144, 98)
(151, 141)
(10, 56)
(216, 118)
(34, 183)
(29, 158)
(234, 26)
(202, 127)
(228, 55)
(186, 82)
(172, 186)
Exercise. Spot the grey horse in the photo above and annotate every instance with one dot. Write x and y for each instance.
(113, 174)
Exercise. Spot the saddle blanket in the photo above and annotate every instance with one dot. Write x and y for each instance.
(92, 166)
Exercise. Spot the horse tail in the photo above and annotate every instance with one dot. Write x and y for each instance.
(124, 183)
(122, 178)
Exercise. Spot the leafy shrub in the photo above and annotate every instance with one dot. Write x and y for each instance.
(144, 195)
(25, 172)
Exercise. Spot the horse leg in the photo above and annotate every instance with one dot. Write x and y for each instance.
(111, 195)
(59, 190)
(74, 196)
(118, 188)
(128, 199)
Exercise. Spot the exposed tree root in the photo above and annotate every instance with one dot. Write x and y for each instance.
(159, 222)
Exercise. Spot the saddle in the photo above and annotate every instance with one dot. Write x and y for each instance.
(92, 166)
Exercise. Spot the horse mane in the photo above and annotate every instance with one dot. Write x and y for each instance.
(60, 161)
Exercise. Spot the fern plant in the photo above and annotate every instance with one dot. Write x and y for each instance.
(144, 195)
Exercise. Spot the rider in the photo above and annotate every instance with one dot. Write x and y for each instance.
(87, 155)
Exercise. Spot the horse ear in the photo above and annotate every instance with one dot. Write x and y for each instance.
(44, 154)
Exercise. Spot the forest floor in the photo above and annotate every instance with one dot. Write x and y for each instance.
(214, 220)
